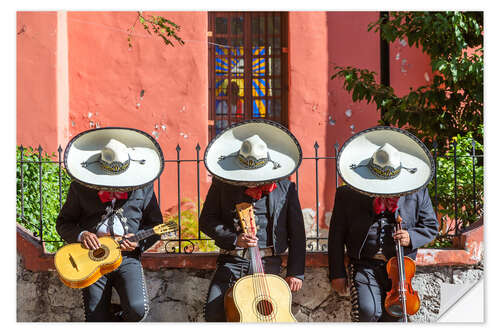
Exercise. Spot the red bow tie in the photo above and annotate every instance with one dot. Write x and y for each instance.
(383, 204)
(106, 196)
(256, 192)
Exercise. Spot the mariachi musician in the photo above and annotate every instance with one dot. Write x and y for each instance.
(386, 170)
(112, 194)
(250, 162)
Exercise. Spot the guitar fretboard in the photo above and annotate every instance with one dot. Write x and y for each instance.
(256, 260)
(142, 234)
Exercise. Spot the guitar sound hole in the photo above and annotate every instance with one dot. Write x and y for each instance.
(99, 253)
(265, 307)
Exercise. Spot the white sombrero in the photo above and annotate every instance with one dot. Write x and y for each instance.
(114, 159)
(253, 152)
(385, 161)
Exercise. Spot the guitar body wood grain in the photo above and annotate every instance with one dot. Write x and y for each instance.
(79, 267)
(243, 303)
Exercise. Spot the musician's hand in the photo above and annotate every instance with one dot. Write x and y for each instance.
(403, 236)
(246, 240)
(340, 286)
(128, 245)
(294, 283)
(90, 240)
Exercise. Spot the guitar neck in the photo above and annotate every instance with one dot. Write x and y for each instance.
(256, 260)
(142, 234)
(247, 222)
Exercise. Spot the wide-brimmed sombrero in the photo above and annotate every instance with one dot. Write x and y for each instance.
(114, 159)
(385, 161)
(253, 152)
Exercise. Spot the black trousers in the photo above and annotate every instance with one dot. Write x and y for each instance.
(129, 282)
(369, 284)
(229, 270)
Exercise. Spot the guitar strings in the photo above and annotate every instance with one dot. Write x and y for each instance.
(265, 287)
(259, 281)
(266, 292)
(258, 277)
(264, 305)
(255, 280)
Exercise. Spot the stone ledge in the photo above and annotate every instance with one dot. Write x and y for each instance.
(34, 257)
(444, 257)
(28, 246)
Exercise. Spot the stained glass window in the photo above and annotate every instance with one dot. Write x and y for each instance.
(246, 66)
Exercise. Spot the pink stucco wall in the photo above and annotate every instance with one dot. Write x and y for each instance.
(320, 109)
(36, 79)
(105, 80)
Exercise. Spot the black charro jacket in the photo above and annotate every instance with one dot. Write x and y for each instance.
(218, 220)
(83, 210)
(353, 214)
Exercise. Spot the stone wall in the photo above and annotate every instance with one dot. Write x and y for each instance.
(178, 295)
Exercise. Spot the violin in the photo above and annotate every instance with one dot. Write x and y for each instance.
(401, 300)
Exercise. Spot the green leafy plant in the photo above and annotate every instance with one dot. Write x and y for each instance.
(28, 194)
(452, 103)
(158, 25)
(189, 228)
(469, 195)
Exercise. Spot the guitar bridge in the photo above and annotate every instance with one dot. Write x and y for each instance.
(73, 263)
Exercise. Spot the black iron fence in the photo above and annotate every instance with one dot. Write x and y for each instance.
(181, 243)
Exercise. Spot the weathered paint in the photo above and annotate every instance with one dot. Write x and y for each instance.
(143, 87)
(409, 67)
(107, 84)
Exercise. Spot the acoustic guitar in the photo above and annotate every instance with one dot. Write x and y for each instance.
(79, 267)
(258, 297)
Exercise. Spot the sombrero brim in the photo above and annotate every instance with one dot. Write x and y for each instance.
(359, 149)
(282, 145)
(87, 146)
